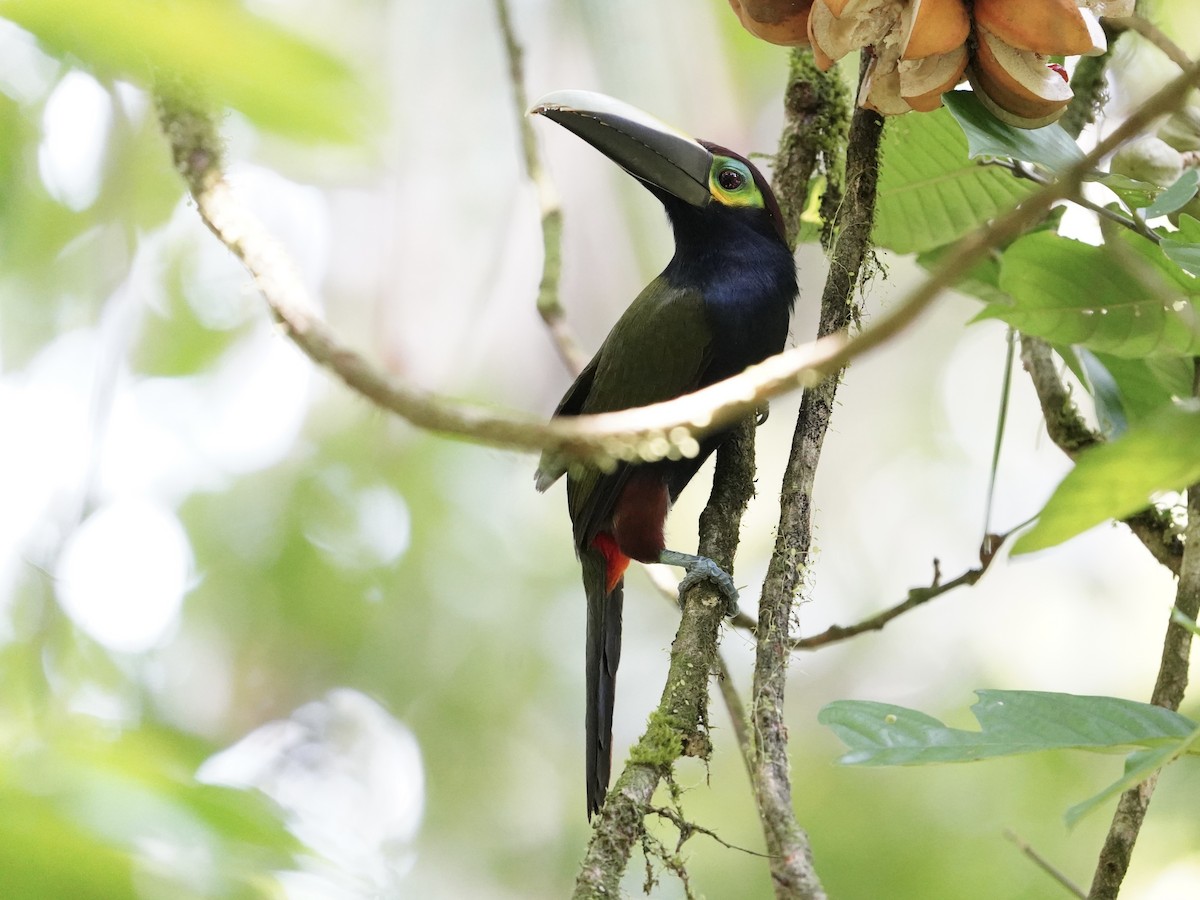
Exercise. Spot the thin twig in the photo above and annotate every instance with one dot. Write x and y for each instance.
(1044, 864)
(1001, 421)
(644, 433)
(737, 713)
(1136, 225)
(687, 829)
(548, 304)
(916, 597)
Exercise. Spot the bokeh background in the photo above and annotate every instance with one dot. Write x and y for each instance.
(367, 640)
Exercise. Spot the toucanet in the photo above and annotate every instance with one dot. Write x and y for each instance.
(722, 303)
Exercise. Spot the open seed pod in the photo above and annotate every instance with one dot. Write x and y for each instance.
(856, 9)
(783, 22)
(918, 45)
(932, 27)
(862, 23)
(923, 81)
(1048, 27)
(1017, 86)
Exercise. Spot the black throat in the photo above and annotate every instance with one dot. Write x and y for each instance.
(735, 258)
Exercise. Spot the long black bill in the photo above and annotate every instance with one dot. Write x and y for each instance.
(642, 145)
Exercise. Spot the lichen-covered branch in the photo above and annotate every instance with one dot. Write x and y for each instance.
(816, 113)
(1169, 688)
(678, 727)
(792, 870)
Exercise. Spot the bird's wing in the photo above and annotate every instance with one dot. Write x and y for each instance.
(658, 350)
(551, 467)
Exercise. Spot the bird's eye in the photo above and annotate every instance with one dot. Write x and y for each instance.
(730, 179)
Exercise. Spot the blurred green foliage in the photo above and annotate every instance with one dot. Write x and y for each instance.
(281, 82)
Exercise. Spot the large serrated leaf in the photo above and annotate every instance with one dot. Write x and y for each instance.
(1160, 453)
(278, 80)
(930, 193)
(1011, 723)
(1124, 298)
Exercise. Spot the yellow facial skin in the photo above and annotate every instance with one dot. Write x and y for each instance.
(732, 184)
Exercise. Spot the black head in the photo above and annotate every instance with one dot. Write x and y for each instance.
(681, 171)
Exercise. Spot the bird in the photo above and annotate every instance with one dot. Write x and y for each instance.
(722, 304)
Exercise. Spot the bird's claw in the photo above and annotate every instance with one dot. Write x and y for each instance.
(706, 570)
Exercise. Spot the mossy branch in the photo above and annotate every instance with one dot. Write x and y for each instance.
(792, 870)
(678, 727)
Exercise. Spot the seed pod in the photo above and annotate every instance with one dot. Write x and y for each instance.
(783, 22)
(1017, 86)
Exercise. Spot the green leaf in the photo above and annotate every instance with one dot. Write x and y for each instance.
(1147, 385)
(988, 136)
(929, 192)
(1176, 196)
(1182, 246)
(1110, 404)
(1186, 256)
(1189, 229)
(278, 80)
(102, 795)
(1011, 723)
(1070, 357)
(44, 854)
(982, 282)
(1161, 453)
(1139, 766)
(1133, 193)
(1124, 298)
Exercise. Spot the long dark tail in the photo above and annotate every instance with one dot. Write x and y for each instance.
(603, 656)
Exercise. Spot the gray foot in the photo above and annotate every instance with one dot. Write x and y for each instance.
(701, 568)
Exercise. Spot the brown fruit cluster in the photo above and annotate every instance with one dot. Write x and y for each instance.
(922, 48)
